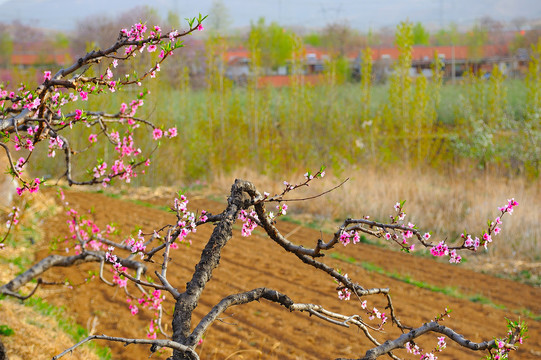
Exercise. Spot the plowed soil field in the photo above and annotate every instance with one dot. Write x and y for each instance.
(263, 330)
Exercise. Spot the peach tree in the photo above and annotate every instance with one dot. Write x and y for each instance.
(29, 116)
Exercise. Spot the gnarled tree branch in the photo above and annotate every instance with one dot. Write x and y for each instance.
(63, 261)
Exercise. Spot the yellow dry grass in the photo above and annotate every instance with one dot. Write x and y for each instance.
(443, 204)
(36, 336)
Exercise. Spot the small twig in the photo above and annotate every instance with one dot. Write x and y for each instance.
(102, 264)
(280, 199)
(161, 343)
(160, 313)
(138, 277)
(166, 253)
(168, 286)
(143, 283)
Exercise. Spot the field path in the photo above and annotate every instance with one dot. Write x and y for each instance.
(264, 330)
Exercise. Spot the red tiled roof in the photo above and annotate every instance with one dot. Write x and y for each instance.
(236, 54)
(420, 53)
(36, 59)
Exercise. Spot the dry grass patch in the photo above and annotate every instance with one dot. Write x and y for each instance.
(36, 336)
(445, 204)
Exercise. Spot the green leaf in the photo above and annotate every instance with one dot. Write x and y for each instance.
(6, 330)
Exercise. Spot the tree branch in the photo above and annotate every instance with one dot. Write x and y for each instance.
(432, 326)
(156, 343)
(277, 297)
(62, 261)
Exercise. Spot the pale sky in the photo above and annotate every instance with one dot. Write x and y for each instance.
(361, 14)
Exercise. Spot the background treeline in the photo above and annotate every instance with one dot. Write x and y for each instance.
(343, 122)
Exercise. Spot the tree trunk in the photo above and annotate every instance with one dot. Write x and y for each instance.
(3, 352)
(210, 258)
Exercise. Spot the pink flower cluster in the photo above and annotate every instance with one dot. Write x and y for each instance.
(442, 249)
(133, 308)
(19, 165)
(54, 143)
(441, 343)
(152, 301)
(134, 106)
(343, 292)
(511, 203)
(454, 257)
(84, 232)
(13, 217)
(137, 32)
(151, 333)
(406, 234)
(345, 237)
(282, 209)
(469, 242)
(32, 188)
(23, 142)
(494, 228)
(401, 214)
(158, 133)
(415, 350)
(126, 147)
(117, 267)
(412, 348)
(248, 222)
(53, 102)
(137, 246)
(125, 170)
(375, 313)
(99, 170)
(188, 220)
(118, 278)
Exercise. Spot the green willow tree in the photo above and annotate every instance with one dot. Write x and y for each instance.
(421, 36)
(275, 43)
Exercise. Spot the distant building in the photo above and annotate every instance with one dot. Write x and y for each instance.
(38, 55)
(456, 60)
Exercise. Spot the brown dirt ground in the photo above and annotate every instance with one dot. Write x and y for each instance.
(264, 330)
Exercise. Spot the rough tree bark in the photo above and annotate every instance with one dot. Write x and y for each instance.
(210, 258)
(3, 355)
